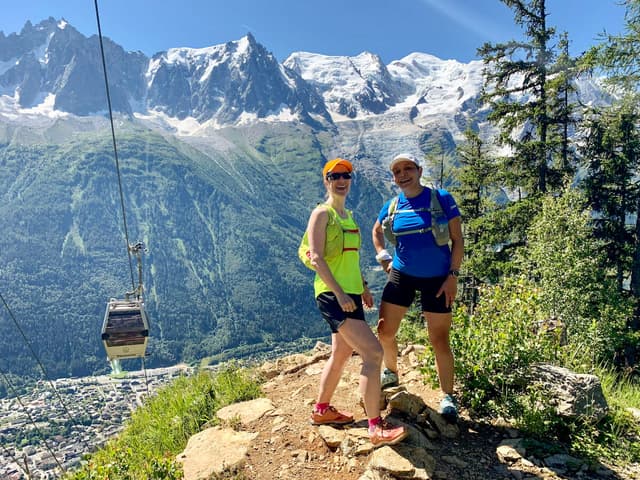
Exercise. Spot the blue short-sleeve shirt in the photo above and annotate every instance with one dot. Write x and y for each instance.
(417, 254)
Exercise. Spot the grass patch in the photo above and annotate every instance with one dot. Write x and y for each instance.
(160, 429)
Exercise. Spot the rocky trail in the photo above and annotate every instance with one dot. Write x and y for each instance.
(271, 437)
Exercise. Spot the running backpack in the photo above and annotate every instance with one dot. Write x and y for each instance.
(439, 221)
(333, 243)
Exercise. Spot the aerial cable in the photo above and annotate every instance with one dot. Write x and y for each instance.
(6, 451)
(32, 421)
(13, 458)
(39, 362)
(131, 312)
(115, 148)
(146, 380)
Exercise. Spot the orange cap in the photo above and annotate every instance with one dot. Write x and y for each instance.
(331, 164)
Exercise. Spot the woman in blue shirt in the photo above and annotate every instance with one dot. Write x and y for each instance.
(419, 264)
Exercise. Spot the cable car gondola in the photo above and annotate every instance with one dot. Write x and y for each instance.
(125, 329)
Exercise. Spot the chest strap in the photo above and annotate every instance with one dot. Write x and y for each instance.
(354, 231)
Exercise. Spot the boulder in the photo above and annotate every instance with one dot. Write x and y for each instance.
(572, 394)
(215, 451)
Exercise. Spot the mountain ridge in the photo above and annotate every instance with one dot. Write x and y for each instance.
(54, 72)
(185, 81)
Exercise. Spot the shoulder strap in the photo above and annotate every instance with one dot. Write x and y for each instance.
(391, 212)
(436, 202)
(439, 220)
(332, 214)
(392, 206)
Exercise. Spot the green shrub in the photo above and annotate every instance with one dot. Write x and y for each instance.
(495, 346)
(575, 286)
(533, 415)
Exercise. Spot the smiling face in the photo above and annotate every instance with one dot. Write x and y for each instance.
(337, 182)
(406, 175)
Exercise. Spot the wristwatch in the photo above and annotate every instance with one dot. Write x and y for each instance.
(455, 273)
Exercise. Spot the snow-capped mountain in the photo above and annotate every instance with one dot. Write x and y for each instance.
(362, 85)
(52, 64)
(350, 86)
(227, 83)
(51, 69)
(437, 86)
(54, 60)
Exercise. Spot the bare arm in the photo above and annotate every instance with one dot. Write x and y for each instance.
(317, 228)
(377, 236)
(457, 243)
(450, 286)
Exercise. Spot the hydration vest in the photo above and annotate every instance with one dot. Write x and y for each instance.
(439, 221)
(334, 239)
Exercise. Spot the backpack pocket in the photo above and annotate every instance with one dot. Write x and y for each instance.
(440, 229)
(387, 229)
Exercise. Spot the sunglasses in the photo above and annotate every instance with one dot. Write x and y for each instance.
(338, 175)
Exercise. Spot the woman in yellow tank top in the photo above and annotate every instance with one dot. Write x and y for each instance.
(340, 292)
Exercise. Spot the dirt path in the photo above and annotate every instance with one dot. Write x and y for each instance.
(289, 448)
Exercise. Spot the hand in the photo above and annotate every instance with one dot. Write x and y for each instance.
(449, 289)
(346, 302)
(386, 265)
(367, 298)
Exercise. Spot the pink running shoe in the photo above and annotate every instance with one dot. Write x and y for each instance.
(387, 434)
(331, 416)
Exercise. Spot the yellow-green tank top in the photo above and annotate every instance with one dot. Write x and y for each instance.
(345, 267)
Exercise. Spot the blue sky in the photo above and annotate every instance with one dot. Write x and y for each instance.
(390, 28)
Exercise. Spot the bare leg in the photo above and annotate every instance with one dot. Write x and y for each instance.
(439, 325)
(388, 324)
(359, 335)
(340, 352)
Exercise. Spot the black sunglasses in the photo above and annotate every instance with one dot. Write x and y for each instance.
(337, 175)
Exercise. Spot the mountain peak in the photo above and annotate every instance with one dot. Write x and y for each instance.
(238, 81)
(28, 27)
(47, 25)
(247, 45)
(250, 38)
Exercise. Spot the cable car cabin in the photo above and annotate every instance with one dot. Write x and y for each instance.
(125, 329)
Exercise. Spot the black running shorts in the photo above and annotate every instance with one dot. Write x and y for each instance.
(333, 313)
(401, 290)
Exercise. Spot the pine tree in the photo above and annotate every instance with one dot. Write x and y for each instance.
(440, 160)
(619, 55)
(473, 193)
(563, 112)
(529, 89)
(475, 177)
(494, 227)
(612, 157)
(612, 150)
(519, 68)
